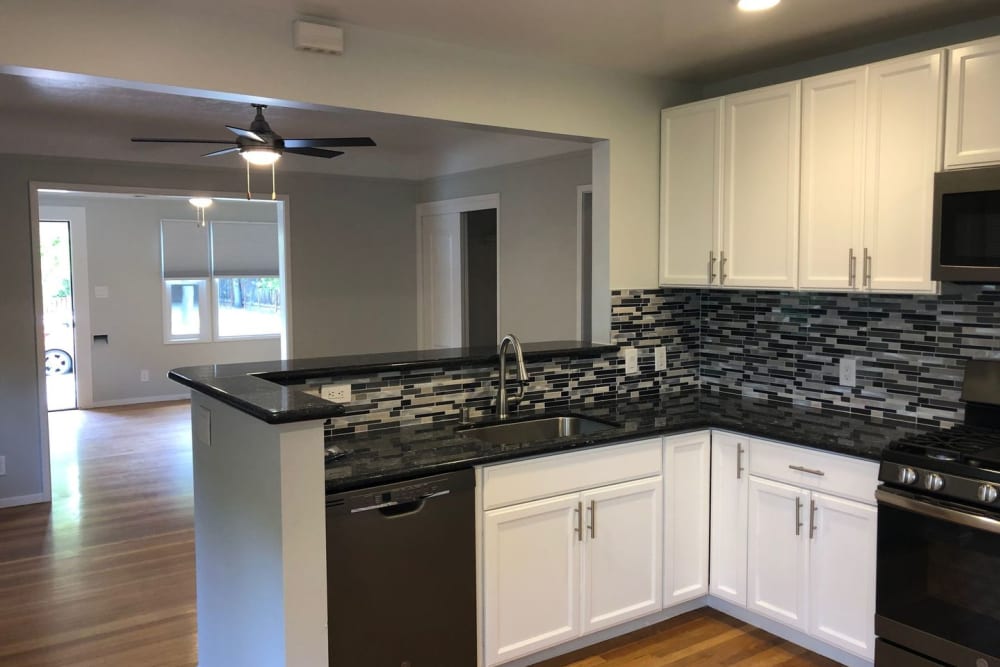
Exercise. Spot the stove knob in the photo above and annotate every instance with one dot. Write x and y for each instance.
(907, 476)
(933, 482)
(987, 493)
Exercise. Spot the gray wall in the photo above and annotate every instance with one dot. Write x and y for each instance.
(123, 254)
(925, 41)
(538, 239)
(352, 278)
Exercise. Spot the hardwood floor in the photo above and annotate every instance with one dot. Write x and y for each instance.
(705, 638)
(105, 575)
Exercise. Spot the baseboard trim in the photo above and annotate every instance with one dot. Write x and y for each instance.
(18, 501)
(787, 633)
(143, 399)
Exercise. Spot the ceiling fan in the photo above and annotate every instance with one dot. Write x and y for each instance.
(261, 145)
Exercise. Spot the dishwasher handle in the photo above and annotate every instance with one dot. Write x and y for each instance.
(394, 509)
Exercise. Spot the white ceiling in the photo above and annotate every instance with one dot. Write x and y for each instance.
(68, 118)
(696, 40)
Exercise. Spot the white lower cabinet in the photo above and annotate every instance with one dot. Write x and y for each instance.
(532, 574)
(561, 567)
(686, 493)
(728, 561)
(777, 555)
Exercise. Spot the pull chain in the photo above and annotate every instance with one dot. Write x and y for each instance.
(248, 180)
(274, 194)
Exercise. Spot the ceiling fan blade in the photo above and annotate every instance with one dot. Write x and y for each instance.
(247, 134)
(222, 152)
(179, 141)
(329, 143)
(314, 152)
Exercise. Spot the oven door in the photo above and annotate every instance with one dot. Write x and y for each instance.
(966, 242)
(938, 579)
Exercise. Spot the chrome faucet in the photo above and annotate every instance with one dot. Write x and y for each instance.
(503, 400)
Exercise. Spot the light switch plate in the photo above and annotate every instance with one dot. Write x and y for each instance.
(101, 292)
(3, 465)
(848, 372)
(338, 393)
(661, 358)
(631, 360)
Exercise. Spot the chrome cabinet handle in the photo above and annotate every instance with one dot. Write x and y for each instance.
(722, 267)
(579, 521)
(812, 518)
(852, 263)
(593, 519)
(711, 266)
(798, 515)
(866, 278)
(811, 471)
(739, 461)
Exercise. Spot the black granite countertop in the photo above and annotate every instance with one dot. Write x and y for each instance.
(405, 453)
(267, 391)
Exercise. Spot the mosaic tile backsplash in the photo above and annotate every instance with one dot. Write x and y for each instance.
(782, 346)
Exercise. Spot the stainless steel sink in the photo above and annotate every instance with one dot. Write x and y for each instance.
(537, 430)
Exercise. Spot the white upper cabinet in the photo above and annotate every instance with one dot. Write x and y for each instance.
(833, 164)
(972, 135)
(760, 216)
(690, 193)
(905, 103)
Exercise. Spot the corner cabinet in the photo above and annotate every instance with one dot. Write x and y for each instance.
(972, 134)
(729, 190)
(569, 548)
(686, 493)
(728, 559)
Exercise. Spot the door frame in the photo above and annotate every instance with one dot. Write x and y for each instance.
(79, 276)
(442, 207)
(580, 191)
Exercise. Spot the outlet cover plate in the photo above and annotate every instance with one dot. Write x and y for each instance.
(144, 375)
(661, 358)
(848, 372)
(338, 393)
(631, 360)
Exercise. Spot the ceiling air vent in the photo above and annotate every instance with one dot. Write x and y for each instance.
(309, 36)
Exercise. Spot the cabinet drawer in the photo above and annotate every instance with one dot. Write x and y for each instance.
(811, 469)
(547, 476)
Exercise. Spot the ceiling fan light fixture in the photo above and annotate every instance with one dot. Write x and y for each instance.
(756, 5)
(262, 156)
(200, 202)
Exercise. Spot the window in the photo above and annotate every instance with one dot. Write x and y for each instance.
(186, 312)
(220, 282)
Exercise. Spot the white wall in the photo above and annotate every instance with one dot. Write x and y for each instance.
(537, 236)
(123, 254)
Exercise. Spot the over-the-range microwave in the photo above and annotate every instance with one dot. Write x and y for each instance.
(967, 226)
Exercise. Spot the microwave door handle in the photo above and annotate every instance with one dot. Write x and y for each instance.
(909, 504)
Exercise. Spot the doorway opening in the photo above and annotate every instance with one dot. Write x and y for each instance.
(58, 314)
(585, 252)
(479, 277)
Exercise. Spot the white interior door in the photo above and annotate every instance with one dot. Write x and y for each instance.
(441, 281)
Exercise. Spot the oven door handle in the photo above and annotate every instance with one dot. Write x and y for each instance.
(937, 512)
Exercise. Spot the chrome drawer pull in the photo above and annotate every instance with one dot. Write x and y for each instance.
(818, 473)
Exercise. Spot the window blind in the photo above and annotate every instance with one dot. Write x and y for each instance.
(244, 249)
(185, 249)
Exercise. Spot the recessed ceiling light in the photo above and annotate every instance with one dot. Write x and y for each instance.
(756, 5)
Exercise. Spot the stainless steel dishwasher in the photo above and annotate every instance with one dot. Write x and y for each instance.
(401, 568)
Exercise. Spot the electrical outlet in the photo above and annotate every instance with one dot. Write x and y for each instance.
(144, 375)
(848, 372)
(660, 355)
(631, 360)
(3, 465)
(338, 393)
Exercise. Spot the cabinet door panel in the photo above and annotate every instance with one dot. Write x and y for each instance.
(728, 528)
(761, 187)
(623, 558)
(686, 490)
(833, 160)
(842, 574)
(531, 577)
(903, 152)
(778, 554)
(690, 192)
(972, 135)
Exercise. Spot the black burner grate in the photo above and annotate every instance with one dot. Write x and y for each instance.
(966, 444)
